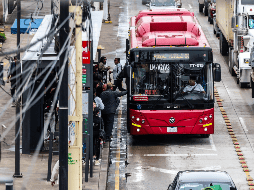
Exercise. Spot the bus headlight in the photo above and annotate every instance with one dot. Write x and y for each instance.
(143, 121)
(210, 116)
(205, 118)
(138, 129)
(137, 119)
(200, 121)
(133, 117)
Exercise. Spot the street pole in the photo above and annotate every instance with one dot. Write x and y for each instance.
(75, 148)
(63, 101)
(90, 112)
(52, 6)
(17, 125)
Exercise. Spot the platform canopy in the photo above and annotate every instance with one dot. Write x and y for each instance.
(25, 24)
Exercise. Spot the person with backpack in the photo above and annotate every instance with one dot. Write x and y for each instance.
(12, 76)
(116, 72)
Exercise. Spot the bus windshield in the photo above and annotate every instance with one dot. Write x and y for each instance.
(174, 80)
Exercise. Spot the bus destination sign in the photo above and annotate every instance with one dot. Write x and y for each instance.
(172, 56)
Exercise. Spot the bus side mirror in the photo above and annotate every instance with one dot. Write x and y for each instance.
(217, 72)
(232, 188)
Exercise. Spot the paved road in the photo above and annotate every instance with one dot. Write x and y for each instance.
(152, 162)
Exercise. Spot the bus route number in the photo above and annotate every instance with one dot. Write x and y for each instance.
(197, 65)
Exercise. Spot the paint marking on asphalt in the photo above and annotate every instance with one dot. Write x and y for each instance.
(176, 155)
(117, 184)
(212, 143)
(211, 168)
(174, 172)
(209, 149)
(243, 124)
(190, 6)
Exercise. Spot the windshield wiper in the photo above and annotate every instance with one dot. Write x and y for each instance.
(189, 104)
(158, 99)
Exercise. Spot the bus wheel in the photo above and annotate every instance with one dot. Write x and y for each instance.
(211, 20)
(205, 135)
(201, 6)
(128, 129)
(206, 11)
(135, 137)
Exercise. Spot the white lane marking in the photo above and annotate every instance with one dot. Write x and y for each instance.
(212, 143)
(174, 172)
(175, 155)
(209, 149)
(243, 124)
(190, 6)
(211, 168)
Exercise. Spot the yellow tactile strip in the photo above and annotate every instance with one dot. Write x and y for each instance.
(234, 140)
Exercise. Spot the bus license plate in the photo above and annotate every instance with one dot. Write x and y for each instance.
(171, 129)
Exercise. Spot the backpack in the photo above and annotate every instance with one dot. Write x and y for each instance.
(120, 76)
(12, 69)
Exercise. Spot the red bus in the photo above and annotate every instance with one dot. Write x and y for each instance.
(166, 50)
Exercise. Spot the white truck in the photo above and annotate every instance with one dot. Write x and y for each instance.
(203, 6)
(234, 24)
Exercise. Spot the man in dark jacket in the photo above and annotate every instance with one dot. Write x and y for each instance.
(12, 76)
(110, 104)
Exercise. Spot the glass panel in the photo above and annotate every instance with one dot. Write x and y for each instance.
(251, 21)
(202, 185)
(247, 2)
(192, 81)
(151, 79)
(163, 2)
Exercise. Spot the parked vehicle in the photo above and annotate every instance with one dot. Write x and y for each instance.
(144, 2)
(167, 49)
(202, 179)
(235, 25)
(203, 6)
(211, 11)
(165, 4)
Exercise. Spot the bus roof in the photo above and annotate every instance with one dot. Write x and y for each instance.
(171, 27)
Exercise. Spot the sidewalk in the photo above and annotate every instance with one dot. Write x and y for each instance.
(109, 40)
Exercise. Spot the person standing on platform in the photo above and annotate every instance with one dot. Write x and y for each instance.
(108, 98)
(103, 68)
(12, 76)
(116, 71)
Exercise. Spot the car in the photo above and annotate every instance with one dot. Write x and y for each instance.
(202, 179)
(144, 2)
(165, 4)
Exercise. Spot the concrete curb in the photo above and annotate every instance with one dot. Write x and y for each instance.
(103, 176)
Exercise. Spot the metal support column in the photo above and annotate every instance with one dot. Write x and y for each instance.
(90, 111)
(75, 150)
(17, 125)
(63, 101)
